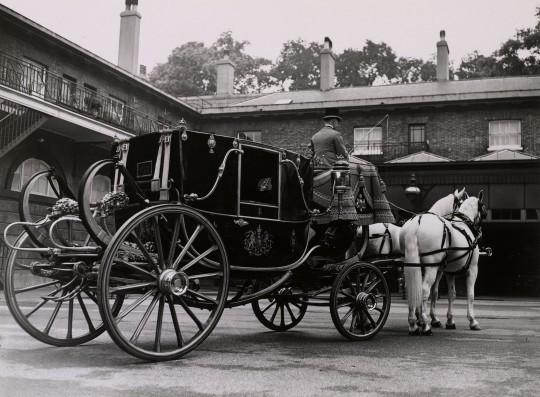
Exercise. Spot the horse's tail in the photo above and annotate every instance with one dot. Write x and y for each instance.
(413, 274)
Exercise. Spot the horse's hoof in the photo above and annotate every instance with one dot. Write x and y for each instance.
(436, 324)
(451, 326)
(416, 332)
(427, 333)
(475, 327)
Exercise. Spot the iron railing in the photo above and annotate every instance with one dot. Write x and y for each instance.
(375, 153)
(36, 80)
(15, 121)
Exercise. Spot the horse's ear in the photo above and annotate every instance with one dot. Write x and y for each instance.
(465, 195)
(480, 195)
(459, 194)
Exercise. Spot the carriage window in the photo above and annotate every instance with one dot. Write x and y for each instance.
(101, 185)
(367, 141)
(28, 168)
(505, 134)
(254, 136)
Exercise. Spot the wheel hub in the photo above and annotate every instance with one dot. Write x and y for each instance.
(172, 282)
(366, 301)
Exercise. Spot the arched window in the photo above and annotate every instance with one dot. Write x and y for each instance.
(101, 185)
(28, 168)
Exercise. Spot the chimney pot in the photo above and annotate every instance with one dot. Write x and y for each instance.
(443, 70)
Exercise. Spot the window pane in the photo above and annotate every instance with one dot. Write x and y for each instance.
(101, 185)
(26, 170)
(367, 140)
(505, 133)
(254, 136)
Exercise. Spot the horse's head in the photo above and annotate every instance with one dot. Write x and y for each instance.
(459, 197)
(474, 209)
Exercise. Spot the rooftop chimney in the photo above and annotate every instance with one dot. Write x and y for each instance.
(443, 73)
(328, 66)
(130, 28)
(225, 75)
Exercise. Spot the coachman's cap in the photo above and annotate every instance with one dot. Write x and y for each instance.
(332, 113)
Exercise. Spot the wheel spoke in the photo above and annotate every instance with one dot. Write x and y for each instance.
(274, 314)
(198, 259)
(37, 286)
(373, 284)
(91, 296)
(22, 265)
(368, 315)
(159, 324)
(196, 232)
(145, 252)
(129, 287)
(353, 320)
(69, 334)
(341, 291)
(144, 319)
(202, 297)
(191, 314)
(159, 245)
(219, 274)
(53, 317)
(131, 307)
(179, 338)
(135, 268)
(293, 318)
(174, 240)
(282, 311)
(269, 306)
(346, 316)
(91, 327)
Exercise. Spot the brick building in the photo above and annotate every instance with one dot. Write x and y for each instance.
(481, 134)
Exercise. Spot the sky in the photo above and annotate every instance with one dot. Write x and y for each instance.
(410, 27)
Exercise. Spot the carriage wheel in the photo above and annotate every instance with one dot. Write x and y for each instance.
(174, 298)
(359, 301)
(280, 310)
(54, 303)
(100, 223)
(42, 181)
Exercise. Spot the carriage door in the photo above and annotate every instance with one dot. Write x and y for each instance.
(259, 187)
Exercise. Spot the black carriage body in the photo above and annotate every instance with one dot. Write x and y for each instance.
(258, 205)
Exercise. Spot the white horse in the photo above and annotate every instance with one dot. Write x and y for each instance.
(430, 242)
(384, 237)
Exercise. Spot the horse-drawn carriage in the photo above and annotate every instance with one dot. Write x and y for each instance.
(191, 223)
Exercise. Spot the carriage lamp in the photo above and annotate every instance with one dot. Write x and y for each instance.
(341, 176)
(412, 191)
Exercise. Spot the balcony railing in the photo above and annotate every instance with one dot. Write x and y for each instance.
(375, 153)
(37, 81)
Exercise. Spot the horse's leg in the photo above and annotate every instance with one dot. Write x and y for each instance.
(430, 274)
(471, 280)
(451, 281)
(435, 322)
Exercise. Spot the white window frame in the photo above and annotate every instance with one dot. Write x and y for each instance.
(255, 136)
(21, 176)
(505, 134)
(368, 141)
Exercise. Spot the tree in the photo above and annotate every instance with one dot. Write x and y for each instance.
(186, 71)
(190, 69)
(358, 68)
(475, 66)
(414, 70)
(297, 67)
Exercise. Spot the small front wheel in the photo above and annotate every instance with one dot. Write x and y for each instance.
(359, 301)
(280, 310)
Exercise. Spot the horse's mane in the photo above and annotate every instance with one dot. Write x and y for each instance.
(440, 206)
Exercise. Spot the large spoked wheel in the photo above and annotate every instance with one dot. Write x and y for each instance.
(359, 301)
(174, 298)
(56, 303)
(280, 310)
(96, 214)
(48, 183)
